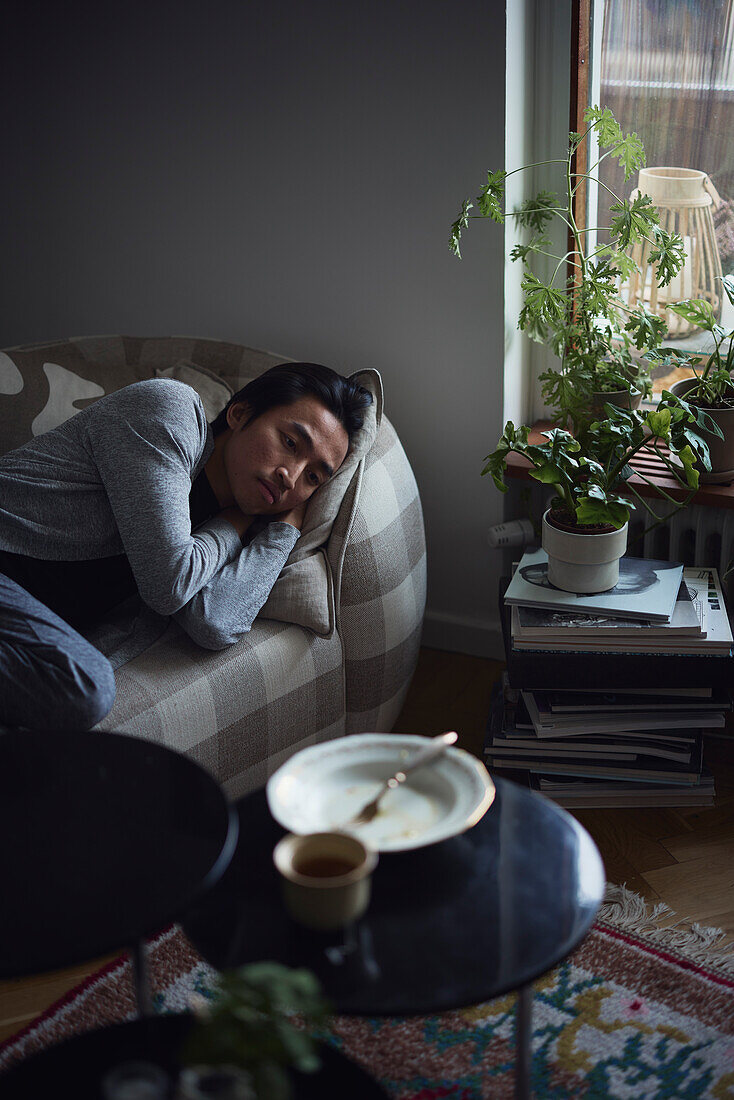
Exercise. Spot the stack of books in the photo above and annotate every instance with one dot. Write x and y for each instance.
(608, 698)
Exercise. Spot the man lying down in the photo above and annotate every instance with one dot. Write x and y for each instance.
(138, 493)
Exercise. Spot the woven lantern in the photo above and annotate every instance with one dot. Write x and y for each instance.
(684, 199)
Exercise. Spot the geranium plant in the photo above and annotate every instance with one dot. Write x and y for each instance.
(581, 316)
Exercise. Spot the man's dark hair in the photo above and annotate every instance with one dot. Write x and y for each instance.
(286, 383)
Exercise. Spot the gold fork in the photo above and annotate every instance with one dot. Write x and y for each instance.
(425, 754)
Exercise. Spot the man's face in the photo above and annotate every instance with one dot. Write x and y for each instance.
(278, 460)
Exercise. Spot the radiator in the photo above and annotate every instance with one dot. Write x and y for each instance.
(694, 535)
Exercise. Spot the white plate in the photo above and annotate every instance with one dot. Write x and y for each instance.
(322, 787)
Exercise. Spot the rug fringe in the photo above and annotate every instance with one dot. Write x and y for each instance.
(628, 912)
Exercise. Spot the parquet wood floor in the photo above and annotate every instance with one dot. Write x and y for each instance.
(682, 857)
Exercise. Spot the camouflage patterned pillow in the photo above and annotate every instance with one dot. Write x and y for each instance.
(42, 385)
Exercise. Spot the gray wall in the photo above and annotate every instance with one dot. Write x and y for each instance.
(282, 174)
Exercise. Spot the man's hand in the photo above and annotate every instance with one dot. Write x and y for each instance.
(294, 516)
(238, 519)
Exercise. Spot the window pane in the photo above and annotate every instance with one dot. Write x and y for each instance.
(667, 72)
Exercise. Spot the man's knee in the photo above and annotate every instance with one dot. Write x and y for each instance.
(94, 695)
(62, 691)
(50, 676)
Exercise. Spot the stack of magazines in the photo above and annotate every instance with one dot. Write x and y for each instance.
(588, 740)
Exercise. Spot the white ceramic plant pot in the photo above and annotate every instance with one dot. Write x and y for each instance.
(583, 563)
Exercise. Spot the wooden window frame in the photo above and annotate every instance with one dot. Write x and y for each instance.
(579, 99)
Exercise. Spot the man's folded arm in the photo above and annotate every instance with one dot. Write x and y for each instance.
(146, 446)
(225, 608)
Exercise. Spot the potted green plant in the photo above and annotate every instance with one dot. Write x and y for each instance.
(711, 389)
(585, 528)
(582, 317)
(592, 332)
(245, 1033)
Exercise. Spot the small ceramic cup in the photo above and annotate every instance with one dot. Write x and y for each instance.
(325, 877)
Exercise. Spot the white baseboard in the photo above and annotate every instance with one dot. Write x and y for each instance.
(477, 637)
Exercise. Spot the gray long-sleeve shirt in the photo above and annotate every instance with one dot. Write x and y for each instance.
(116, 478)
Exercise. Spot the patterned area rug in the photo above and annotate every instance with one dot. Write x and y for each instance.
(639, 1010)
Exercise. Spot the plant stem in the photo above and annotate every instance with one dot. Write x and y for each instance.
(577, 241)
(535, 164)
(586, 176)
(517, 213)
(628, 455)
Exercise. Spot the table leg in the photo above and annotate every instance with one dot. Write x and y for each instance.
(141, 979)
(523, 1042)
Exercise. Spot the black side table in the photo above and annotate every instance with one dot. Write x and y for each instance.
(458, 922)
(106, 839)
(81, 1063)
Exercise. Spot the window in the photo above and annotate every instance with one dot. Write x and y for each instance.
(666, 70)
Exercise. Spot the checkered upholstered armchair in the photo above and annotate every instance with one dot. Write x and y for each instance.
(242, 711)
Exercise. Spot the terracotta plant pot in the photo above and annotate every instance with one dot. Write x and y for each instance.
(720, 450)
(583, 563)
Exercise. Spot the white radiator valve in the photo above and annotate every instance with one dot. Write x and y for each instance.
(518, 532)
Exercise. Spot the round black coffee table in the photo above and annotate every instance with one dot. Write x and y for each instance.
(449, 925)
(81, 1063)
(106, 839)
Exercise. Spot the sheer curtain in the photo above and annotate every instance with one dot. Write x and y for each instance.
(666, 70)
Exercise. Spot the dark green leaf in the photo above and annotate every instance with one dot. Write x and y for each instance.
(633, 219)
(537, 212)
(728, 284)
(591, 510)
(461, 223)
(543, 303)
(521, 251)
(668, 254)
(646, 329)
(548, 474)
(492, 196)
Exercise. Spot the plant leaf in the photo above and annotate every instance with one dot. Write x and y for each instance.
(687, 457)
(646, 329)
(492, 195)
(521, 251)
(668, 254)
(728, 284)
(549, 474)
(607, 128)
(536, 213)
(697, 311)
(634, 219)
(659, 422)
(630, 154)
(542, 303)
(461, 223)
(627, 148)
(597, 508)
